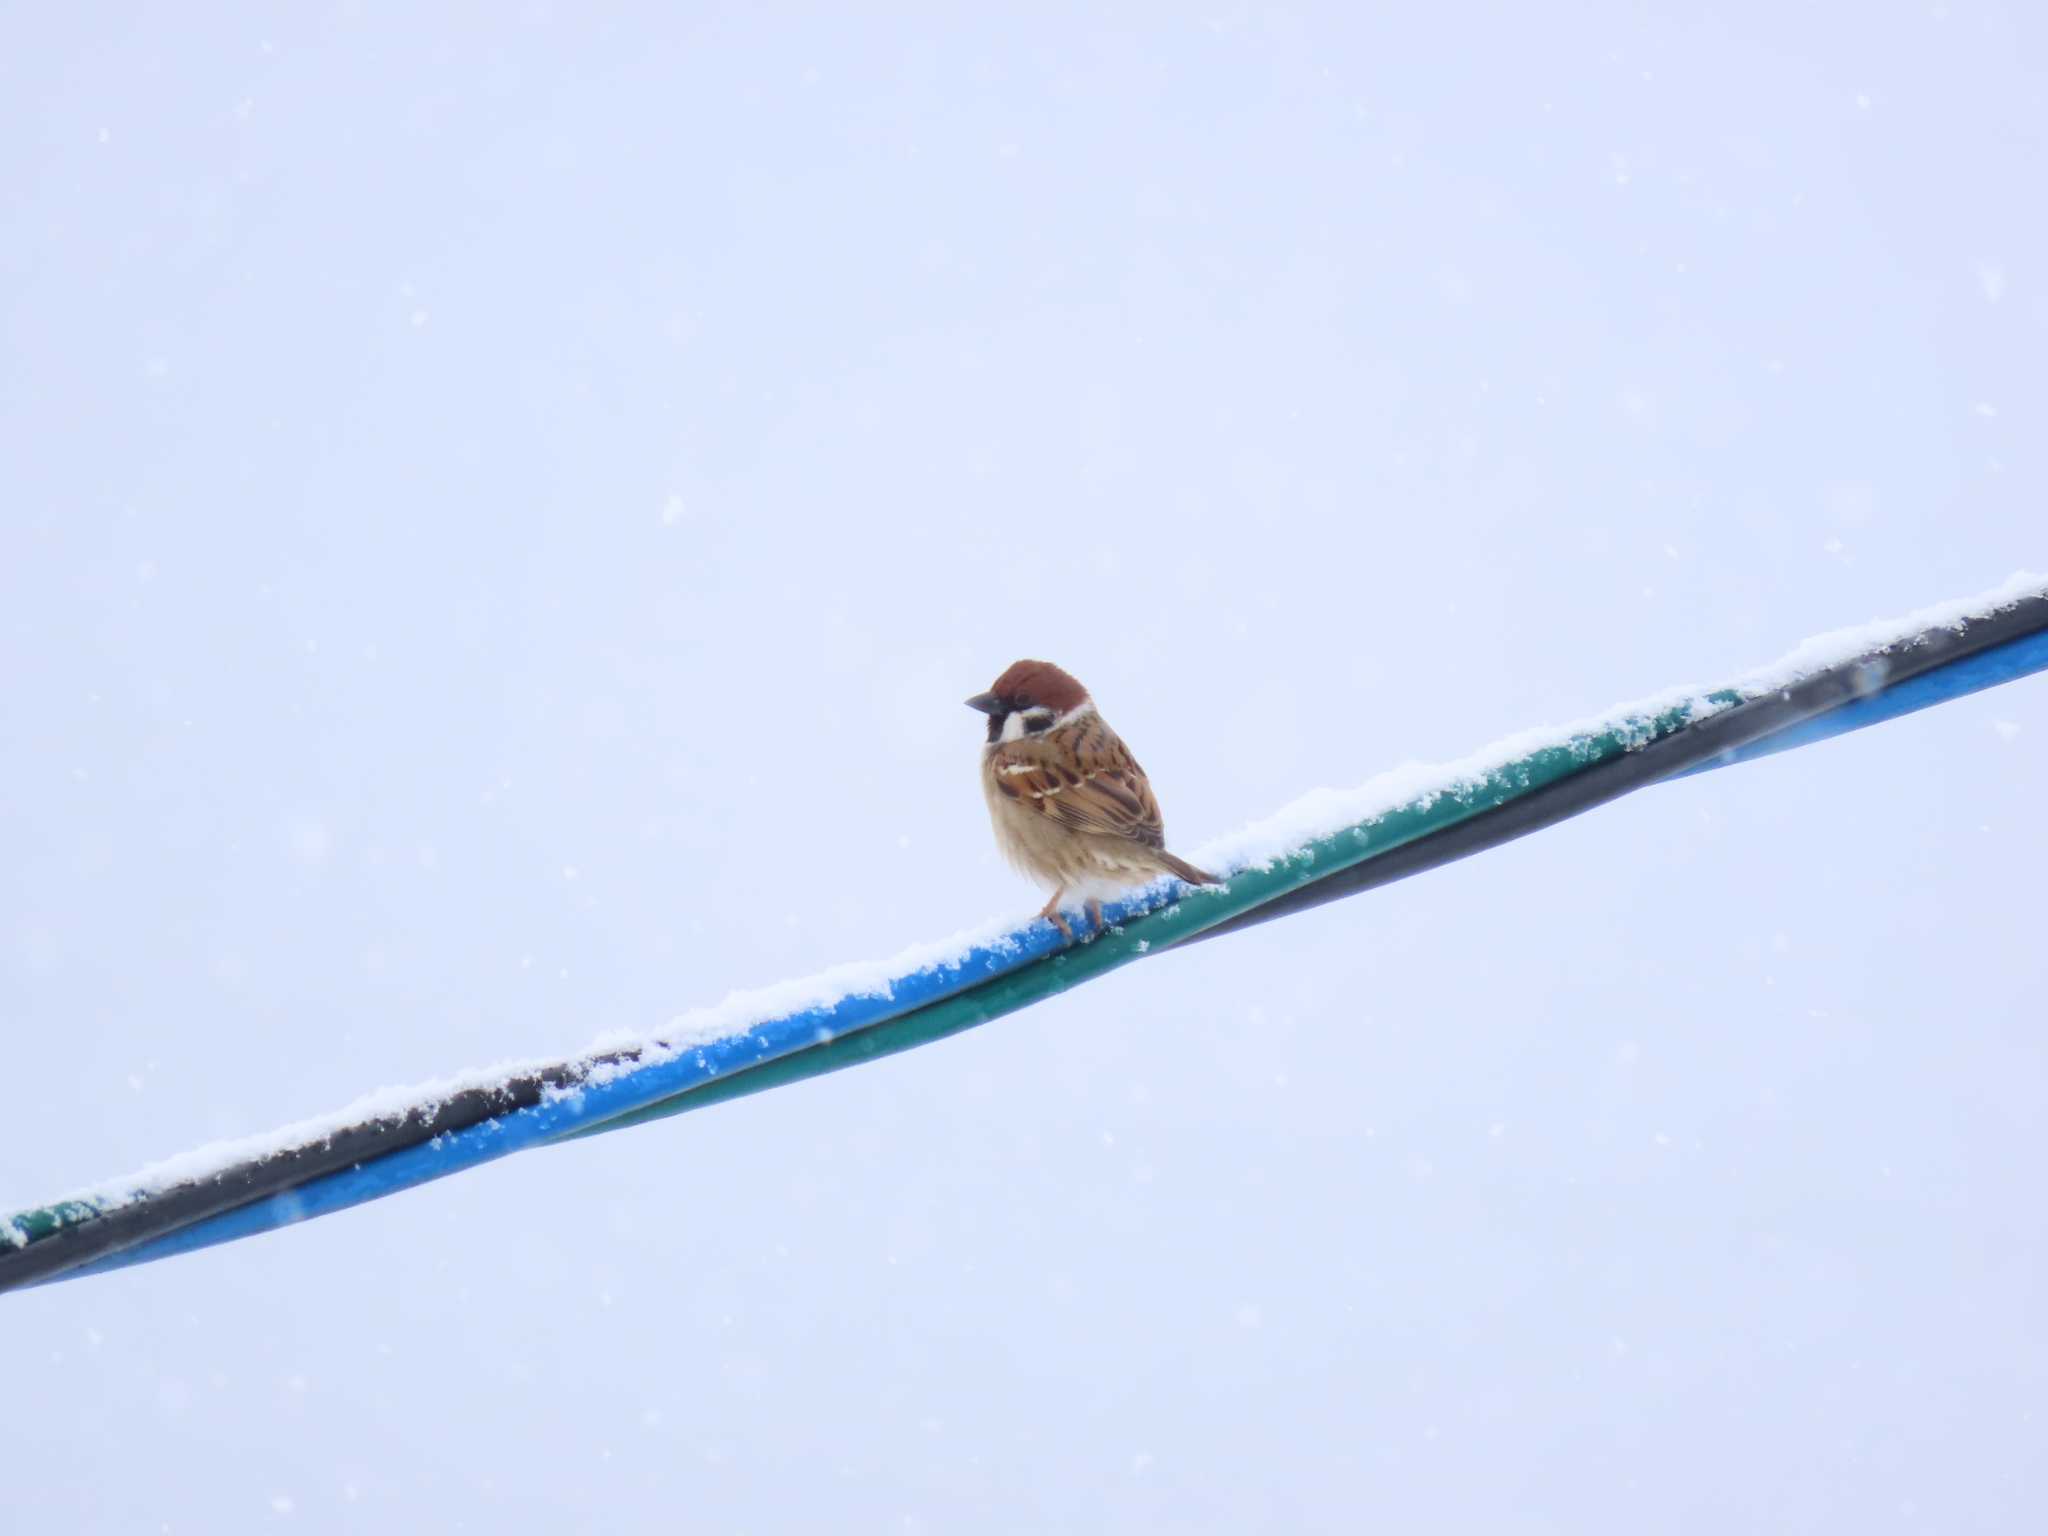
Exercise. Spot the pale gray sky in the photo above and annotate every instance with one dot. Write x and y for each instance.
(501, 511)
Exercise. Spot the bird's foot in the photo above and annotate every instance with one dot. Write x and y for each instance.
(1052, 914)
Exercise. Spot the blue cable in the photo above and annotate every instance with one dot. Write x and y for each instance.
(1972, 674)
(593, 1103)
(636, 1088)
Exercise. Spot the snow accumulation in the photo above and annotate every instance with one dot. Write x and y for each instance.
(390, 1103)
(1316, 815)
(1322, 812)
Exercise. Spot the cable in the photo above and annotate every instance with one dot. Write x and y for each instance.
(2001, 663)
(1974, 655)
(582, 1096)
(187, 1217)
(74, 1233)
(1981, 660)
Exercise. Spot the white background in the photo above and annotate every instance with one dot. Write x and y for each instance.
(501, 507)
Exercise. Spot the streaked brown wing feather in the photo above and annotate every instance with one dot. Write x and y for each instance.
(1083, 777)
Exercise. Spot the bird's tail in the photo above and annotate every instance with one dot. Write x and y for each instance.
(1187, 871)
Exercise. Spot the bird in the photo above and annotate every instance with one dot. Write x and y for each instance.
(1071, 807)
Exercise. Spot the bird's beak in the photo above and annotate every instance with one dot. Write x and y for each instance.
(987, 703)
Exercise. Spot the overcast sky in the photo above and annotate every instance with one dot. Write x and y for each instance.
(500, 511)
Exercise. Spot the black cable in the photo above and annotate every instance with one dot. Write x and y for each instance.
(1732, 728)
(87, 1234)
(84, 1235)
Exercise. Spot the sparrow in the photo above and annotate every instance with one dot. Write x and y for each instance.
(1072, 808)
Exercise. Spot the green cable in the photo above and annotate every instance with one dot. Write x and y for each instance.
(1197, 910)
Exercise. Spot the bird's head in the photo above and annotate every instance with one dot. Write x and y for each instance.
(1030, 697)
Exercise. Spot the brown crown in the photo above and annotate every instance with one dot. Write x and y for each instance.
(1040, 685)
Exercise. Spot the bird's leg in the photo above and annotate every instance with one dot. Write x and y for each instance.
(1095, 914)
(1051, 912)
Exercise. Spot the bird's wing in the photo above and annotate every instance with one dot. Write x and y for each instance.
(1082, 776)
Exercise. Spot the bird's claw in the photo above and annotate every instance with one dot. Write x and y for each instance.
(1097, 924)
